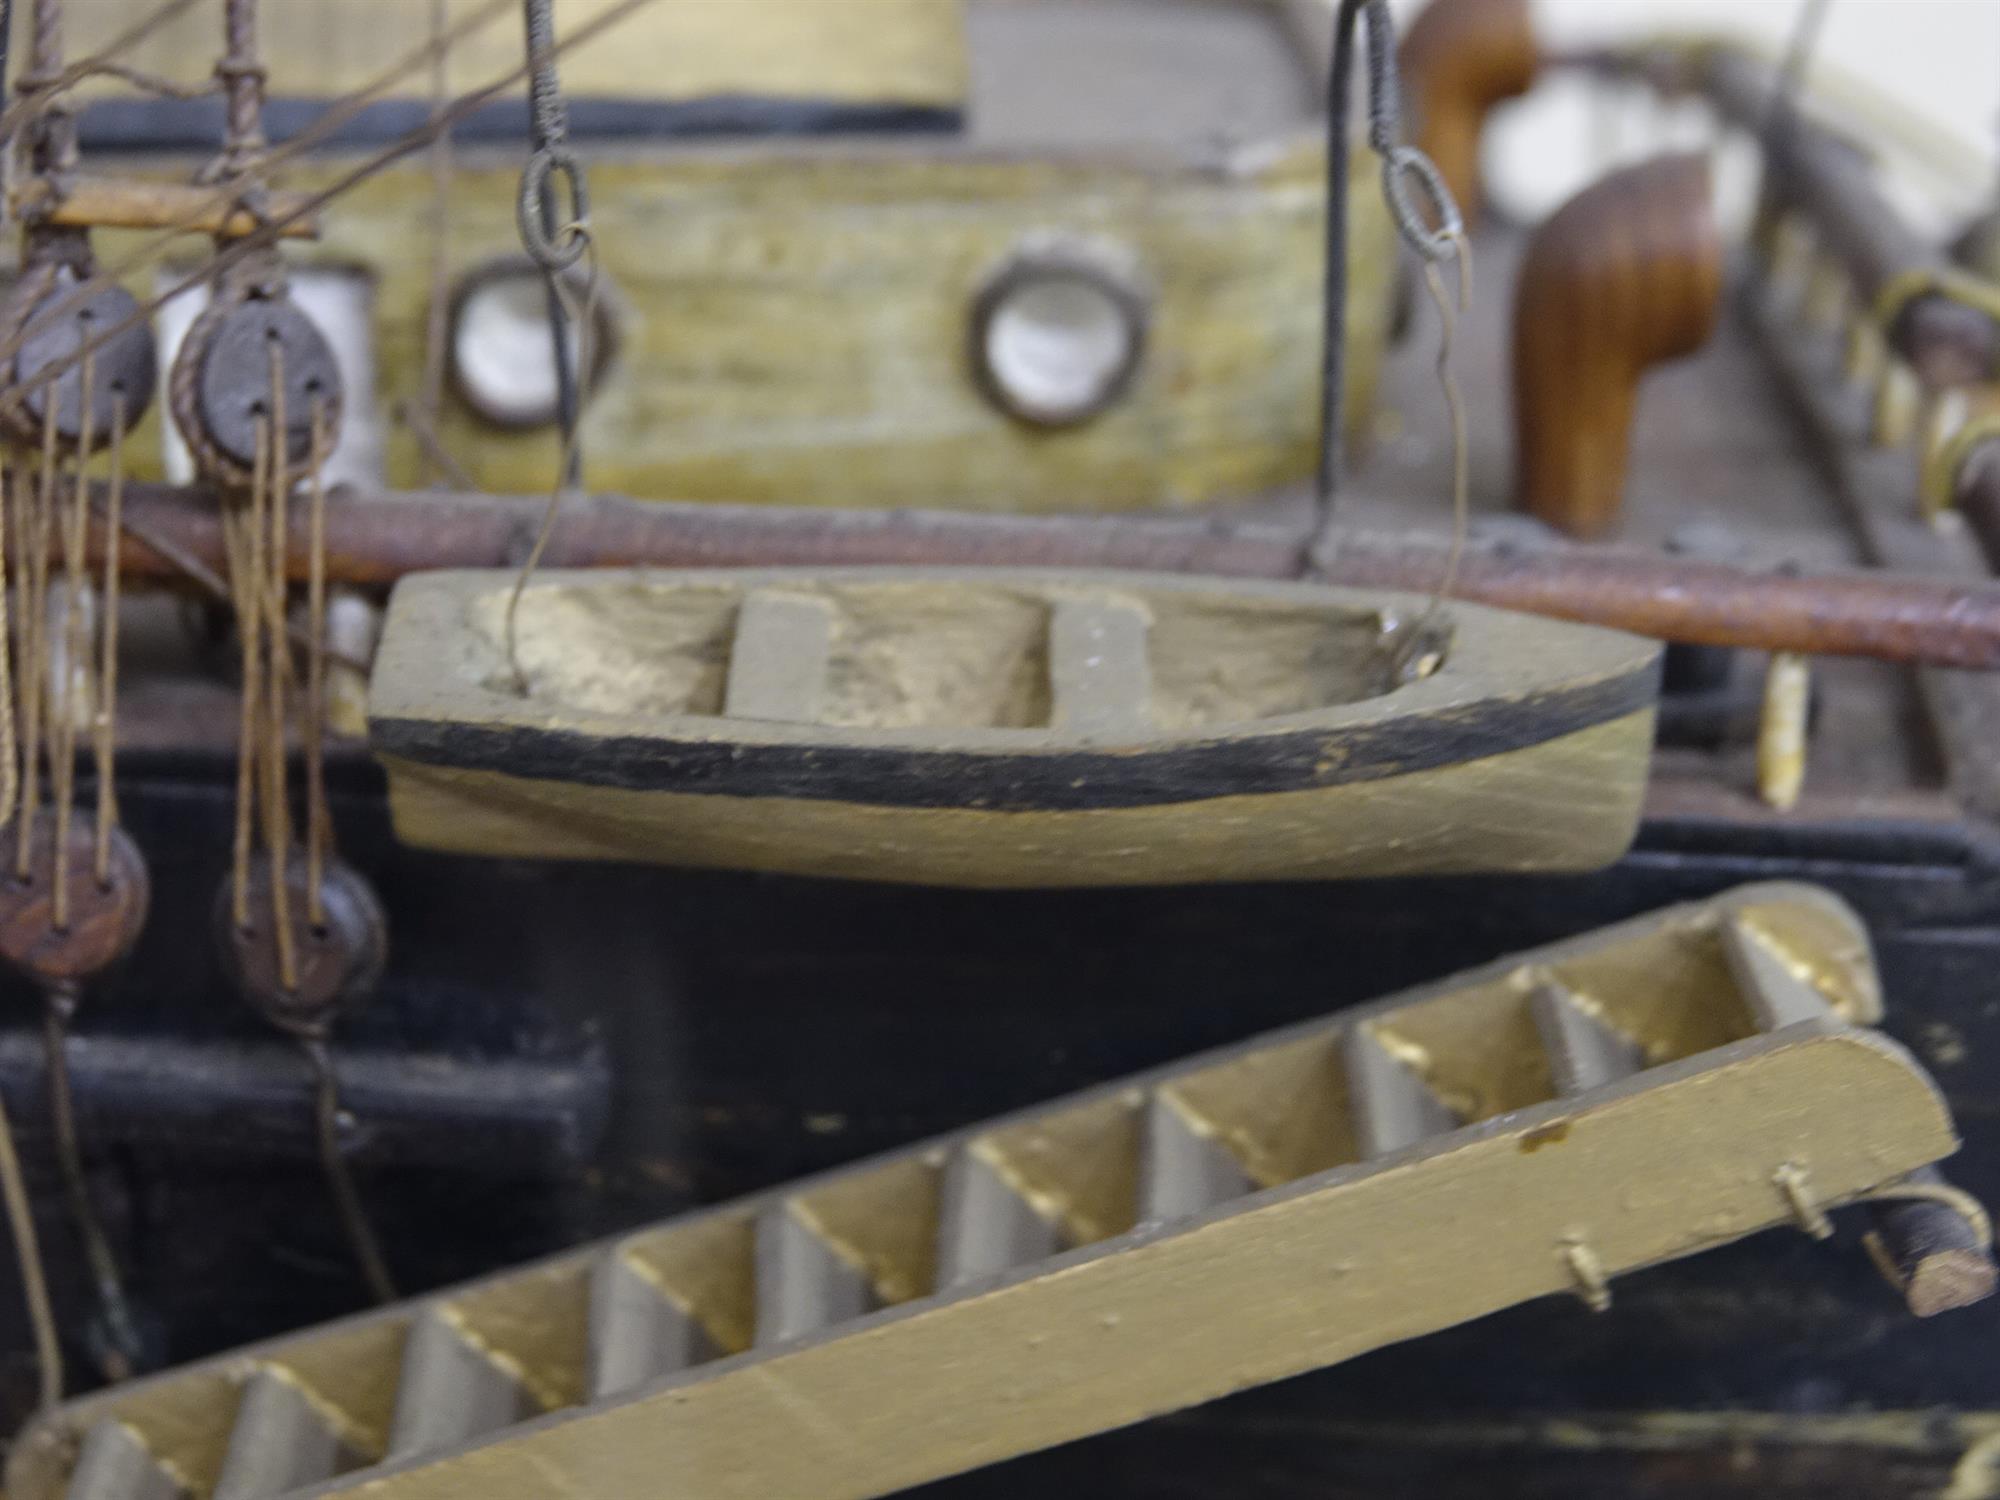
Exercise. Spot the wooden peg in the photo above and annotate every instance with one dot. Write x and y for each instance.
(1625, 275)
(1898, 397)
(1458, 59)
(1937, 1254)
(1782, 730)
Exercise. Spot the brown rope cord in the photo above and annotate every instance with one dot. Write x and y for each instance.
(71, 663)
(439, 458)
(436, 315)
(34, 659)
(585, 325)
(116, 1360)
(353, 1214)
(266, 235)
(199, 573)
(35, 87)
(241, 73)
(34, 1274)
(10, 770)
(270, 585)
(105, 736)
(241, 535)
(319, 822)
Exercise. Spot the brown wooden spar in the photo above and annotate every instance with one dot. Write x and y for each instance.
(118, 203)
(375, 539)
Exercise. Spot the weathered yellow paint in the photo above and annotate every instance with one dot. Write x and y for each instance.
(793, 315)
(794, 322)
(855, 51)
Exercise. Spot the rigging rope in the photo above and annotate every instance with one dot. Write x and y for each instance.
(1403, 167)
(437, 331)
(266, 234)
(337, 115)
(556, 245)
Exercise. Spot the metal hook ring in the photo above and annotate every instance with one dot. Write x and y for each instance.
(1399, 167)
(556, 247)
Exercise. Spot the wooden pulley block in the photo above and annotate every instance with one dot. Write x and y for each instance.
(337, 960)
(54, 322)
(222, 388)
(101, 919)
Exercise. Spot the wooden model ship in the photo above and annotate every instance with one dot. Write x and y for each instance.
(698, 850)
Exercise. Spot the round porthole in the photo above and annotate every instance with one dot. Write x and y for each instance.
(1058, 331)
(502, 359)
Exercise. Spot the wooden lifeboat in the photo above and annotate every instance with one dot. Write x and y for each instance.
(1002, 728)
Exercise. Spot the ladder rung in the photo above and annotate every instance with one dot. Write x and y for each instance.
(803, 1283)
(1100, 681)
(637, 1332)
(1776, 996)
(450, 1390)
(280, 1441)
(1393, 1107)
(1584, 1052)
(778, 663)
(115, 1465)
(1182, 1168)
(984, 1225)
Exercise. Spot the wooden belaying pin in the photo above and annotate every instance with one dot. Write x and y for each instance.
(1782, 729)
(1586, 1271)
(1898, 396)
(1793, 1182)
(1865, 350)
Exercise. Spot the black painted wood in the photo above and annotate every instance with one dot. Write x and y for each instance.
(1252, 761)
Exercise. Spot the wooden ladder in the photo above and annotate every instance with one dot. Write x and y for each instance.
(1533, 1127)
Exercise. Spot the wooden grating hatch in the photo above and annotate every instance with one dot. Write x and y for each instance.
(1645, 1092)
(1005, 727)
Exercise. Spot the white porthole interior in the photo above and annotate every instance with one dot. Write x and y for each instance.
(1059, 327)
(1058, 344)
(342, 303)
(502, 355)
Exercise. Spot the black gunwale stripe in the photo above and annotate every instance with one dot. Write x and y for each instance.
(168, 126)
(1013, 781)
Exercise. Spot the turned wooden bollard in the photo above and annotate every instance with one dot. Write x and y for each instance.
(1624, 276)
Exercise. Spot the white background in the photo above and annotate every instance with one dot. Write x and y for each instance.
(1938, 59)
